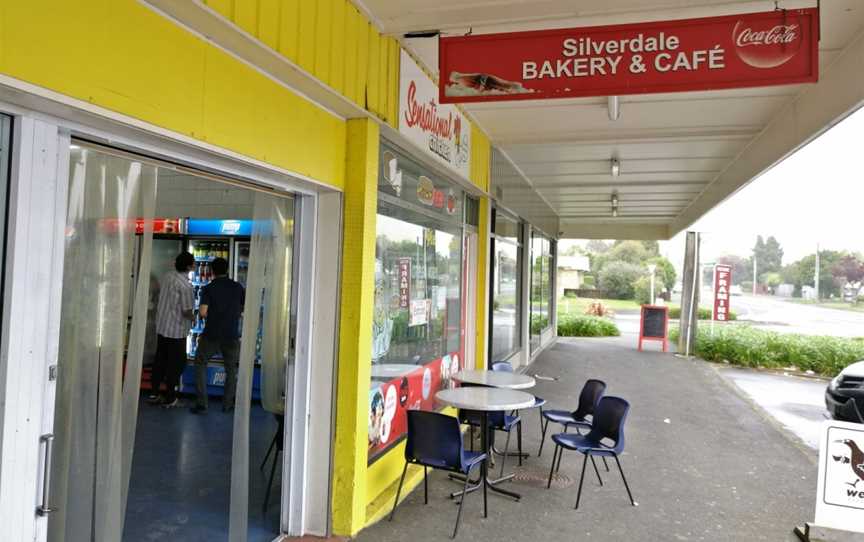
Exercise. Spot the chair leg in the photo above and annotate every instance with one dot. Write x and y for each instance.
(425, 486)
(471, 436)
(544, 424)
(626, 486)
(558, 468)
(552, 469)
(519, 441)
(270, 483)
(398, 491)
(597, 472)
(269, 451)
(462, 503)
(605, 464)
(506, 449)
(581, 479)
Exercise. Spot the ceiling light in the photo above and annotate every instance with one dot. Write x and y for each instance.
(614, 205)
(616, 167)
(614, 212)
(614, 106)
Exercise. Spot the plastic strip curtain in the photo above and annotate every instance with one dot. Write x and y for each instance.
(267, 268)
(93, 425)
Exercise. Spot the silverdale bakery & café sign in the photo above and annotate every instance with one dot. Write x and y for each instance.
(756, 49)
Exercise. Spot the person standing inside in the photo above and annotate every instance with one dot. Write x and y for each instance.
(221, 308)
(174, 316)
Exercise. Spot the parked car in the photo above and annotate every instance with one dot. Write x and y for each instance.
(845, 394)
(736, 290)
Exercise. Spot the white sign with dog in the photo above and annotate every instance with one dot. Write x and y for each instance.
(840, 492)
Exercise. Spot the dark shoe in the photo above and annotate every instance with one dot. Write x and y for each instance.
(170, 404)
(154, 399)
(227, 408)
(198, 409)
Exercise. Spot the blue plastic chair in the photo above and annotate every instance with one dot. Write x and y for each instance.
(539, 402)
(607, 425)
(591, 393)
(435, 440)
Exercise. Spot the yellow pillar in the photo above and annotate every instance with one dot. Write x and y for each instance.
(355, 327)
(482, 292)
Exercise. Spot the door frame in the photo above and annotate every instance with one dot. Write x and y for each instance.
(39, 179)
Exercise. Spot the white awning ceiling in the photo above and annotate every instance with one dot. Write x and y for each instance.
(680, 154)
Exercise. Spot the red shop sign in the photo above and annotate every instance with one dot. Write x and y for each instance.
(756, 49)
(404, 266)
(722, 282)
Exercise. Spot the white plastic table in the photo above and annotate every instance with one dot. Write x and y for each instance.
(483, 401)
(495, 379)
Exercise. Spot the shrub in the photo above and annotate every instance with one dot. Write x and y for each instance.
(617, 279)
(538, 324)
(702, 313)
(749, 347)
(588, 281)
(642, 290)
(586, 326)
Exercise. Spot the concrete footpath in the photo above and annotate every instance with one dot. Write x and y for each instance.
(703, 463)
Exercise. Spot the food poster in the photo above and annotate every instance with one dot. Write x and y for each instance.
(390, 400)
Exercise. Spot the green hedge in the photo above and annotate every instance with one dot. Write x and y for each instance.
(749, 347)
(570, 325)
(703, 313)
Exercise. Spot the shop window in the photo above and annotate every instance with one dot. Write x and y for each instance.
(417, 339)
(506, 293)
(541, 287)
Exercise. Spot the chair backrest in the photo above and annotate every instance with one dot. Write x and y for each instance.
(502, 367)
(591, 393)
(434, 439)
(608, 422)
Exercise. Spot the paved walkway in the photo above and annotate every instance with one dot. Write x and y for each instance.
(703, 463)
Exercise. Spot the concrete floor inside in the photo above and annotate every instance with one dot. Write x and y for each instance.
(703, 462)
(181, 476)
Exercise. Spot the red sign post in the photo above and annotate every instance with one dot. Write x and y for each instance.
(722, 282)
(755, 49)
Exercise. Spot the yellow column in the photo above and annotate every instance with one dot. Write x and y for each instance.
(482, 292)
(355, 328)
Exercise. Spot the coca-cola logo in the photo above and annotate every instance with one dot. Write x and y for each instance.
(767, 44)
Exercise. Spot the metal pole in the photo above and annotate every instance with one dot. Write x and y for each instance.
(755, 281)
(652, 288)
(714, 297)
(691, 312)
(816, 274)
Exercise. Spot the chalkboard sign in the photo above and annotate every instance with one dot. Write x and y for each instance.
(654, 324)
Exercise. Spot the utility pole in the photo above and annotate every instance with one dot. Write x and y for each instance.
(755, 280)
(816, 274)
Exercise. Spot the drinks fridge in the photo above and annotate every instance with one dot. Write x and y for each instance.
(206, 240)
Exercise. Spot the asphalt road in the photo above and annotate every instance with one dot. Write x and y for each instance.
(796, 403)
(776, 314)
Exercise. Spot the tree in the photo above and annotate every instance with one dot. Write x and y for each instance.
(806, 267)
(617, 279)
(848, 269)
(768, 255)
(597, 246)
(665, 272)
(742, 269)
(632, 252)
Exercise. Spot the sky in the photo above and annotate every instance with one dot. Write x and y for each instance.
(814, 196)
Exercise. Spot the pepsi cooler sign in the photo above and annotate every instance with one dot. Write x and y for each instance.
(235, 228)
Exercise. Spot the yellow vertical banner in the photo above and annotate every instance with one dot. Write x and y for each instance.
(482, 316)
(355, 327)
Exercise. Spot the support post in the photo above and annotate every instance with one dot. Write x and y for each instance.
(355, 335)
(689, 295)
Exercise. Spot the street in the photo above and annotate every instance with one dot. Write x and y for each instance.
(777, 314)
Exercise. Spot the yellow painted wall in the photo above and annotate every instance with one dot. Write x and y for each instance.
(122, 56)
(330, 39)
(481, 158)
(355, 328)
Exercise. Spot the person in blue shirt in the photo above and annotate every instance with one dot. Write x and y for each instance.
(221, 308)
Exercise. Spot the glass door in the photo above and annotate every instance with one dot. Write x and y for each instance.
(100, 452)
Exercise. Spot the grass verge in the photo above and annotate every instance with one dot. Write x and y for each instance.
(749, 347)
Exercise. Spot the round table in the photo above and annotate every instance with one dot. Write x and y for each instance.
(485, 400)
(495, 379)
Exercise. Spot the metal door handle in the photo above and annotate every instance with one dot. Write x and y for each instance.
(44, 509)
